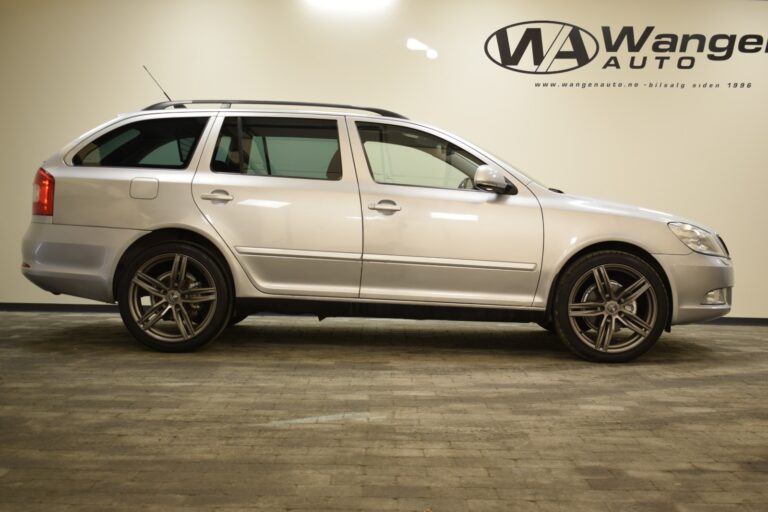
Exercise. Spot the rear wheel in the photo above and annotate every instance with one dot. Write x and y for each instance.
(174, 297)
(548, 325)
(611, 306)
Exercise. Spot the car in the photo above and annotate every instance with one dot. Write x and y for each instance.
(192, 215)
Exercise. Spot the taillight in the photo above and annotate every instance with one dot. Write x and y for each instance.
(42, 196)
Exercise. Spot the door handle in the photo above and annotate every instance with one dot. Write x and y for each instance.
(385, 205)
(217, 195)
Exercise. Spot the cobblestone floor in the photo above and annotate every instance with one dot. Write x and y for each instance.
(287, 413)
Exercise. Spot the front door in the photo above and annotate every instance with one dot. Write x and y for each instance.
(281, 191)
(429, 236)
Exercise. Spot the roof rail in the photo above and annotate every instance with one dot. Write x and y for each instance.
(228, 103)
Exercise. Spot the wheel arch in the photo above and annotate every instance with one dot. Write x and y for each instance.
(172, 235)
(612, 246)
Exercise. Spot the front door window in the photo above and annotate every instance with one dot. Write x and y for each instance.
(399, 155)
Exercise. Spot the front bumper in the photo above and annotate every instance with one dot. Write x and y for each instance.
(691, 277)
(74, 260)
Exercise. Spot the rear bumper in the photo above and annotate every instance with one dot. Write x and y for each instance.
(691, 277)
(74, 260)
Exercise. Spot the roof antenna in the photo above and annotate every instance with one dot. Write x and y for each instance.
(156, 82)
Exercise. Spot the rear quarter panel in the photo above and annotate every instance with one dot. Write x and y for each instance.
(101, 196)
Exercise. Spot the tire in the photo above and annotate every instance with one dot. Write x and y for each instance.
(610, 306)
(174, 297)
(236, 318)
(547, 325)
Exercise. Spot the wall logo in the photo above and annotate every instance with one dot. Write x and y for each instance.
(541, 47)
(547, 47)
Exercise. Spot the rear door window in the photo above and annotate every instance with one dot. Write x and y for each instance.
(165, 143)
(283, 147)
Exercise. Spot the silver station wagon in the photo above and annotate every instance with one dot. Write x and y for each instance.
(192, 218)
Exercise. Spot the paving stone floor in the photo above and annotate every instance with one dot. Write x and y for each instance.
(287, 413)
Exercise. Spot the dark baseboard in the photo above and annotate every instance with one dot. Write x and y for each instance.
(112, 308)
(736, 320)
(24, 307)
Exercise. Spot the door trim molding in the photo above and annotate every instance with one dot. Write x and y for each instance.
(294, 253)
(449, 262)
(386, 258)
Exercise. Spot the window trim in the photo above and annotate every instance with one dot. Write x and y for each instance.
(85, 139)
(240, 150)
(340, 128)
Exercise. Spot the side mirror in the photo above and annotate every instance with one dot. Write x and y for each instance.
(489, 179)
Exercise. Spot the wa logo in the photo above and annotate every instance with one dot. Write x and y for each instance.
(543, 47)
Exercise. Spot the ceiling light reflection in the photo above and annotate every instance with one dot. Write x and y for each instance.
(454, 216)
(263, 203)
(417, 46)
(350, 5)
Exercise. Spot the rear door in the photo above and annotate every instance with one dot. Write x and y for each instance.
(282, 193)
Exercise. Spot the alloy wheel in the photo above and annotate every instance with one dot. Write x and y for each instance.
(612, 308)
(172, 297)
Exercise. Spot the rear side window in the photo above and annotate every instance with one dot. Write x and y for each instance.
(157, 143)
(285, 147)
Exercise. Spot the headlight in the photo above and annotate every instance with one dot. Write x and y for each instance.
(698, 239)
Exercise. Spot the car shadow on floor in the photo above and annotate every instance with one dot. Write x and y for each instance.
(399, 336)
(461, 337)
(410, 335)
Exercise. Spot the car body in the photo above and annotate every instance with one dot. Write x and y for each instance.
(381, 233)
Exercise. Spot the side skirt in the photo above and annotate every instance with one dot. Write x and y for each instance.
(325, 309)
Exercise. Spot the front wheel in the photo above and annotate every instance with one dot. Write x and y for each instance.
(174, 297)
(611, 306)
(236, 318)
